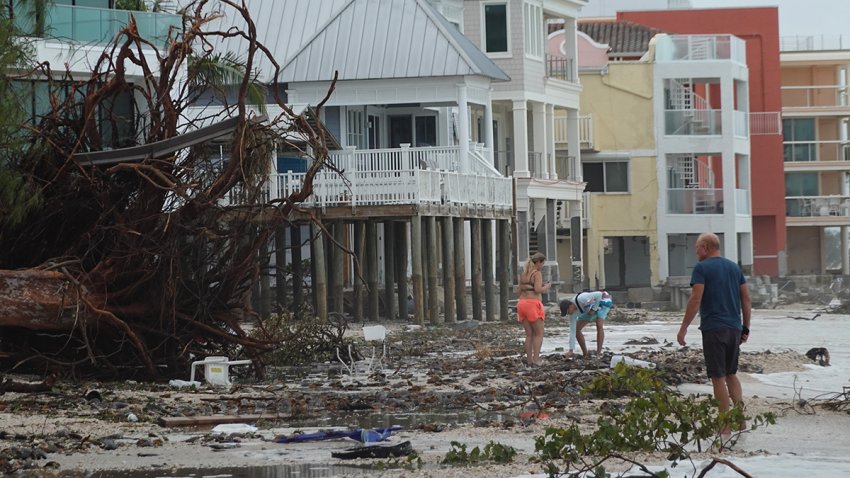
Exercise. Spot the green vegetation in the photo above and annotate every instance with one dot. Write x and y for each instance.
(653, 420)
(492, 453)
(18, 197)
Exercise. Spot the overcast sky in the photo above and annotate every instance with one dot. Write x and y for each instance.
(796, 17)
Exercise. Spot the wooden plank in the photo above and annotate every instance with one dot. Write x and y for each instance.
(207, 420)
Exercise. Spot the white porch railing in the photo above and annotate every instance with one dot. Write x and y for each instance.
(765, 122)
(401, 176)
(585, 130)
(817, 206)
(805, 151)
(815, 96)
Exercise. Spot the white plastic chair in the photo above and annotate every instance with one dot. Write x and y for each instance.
(373, 334)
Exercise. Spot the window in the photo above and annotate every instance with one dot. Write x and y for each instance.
(116, 116)
(533, 21)
(355, 129)
(496, 32)
(801, 184)
(426, 131)
(606, 176)
(799, 137)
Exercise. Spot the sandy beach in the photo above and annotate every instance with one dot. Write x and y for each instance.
(67, 432)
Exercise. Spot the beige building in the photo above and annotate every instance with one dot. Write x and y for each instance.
(815, 114)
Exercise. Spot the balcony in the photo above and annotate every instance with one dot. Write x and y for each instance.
(560, 68)
(694, 201)
(403, 176)
(817, 210)
(700, 48)
(692, 122)
(765, 123)
(704, 201)
(98, 25)
(585, 131)
(817, 155)
(813, 43)
(815, 98)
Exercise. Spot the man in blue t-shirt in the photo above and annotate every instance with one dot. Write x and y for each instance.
(719, 291)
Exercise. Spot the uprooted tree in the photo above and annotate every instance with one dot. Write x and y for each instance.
(131, 267)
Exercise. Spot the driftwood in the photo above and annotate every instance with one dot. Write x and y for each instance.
(38, 300)
(10, 385)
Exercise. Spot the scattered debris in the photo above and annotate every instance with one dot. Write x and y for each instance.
(376, 451)
(359, 434)
(642, 341)
(819, 355)
(806, 318)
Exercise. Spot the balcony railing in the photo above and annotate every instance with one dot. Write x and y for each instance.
(537, 166)
(101, 25)
(704, 201)
(806, 151)
(816, 96)
(701, 48)
(694, 201)
(692, 122)
(565, 166)
(765, 122)
(585, 130)
(817, 206)
(814, 43)
(399, 176)
(560, 67)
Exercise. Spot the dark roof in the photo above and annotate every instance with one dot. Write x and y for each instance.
(625, 38)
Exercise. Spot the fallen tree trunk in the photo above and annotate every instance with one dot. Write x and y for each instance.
(37, 300)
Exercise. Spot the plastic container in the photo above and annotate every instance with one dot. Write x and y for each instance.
(216, 370)
(630, 361)
(374, 333)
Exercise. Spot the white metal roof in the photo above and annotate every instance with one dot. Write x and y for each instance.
(362, 39)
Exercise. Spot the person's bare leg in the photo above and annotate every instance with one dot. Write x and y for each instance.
(537, 339)
(721, 394)
(600, 336)
(580, 336)
(736, 395)
(529, 344)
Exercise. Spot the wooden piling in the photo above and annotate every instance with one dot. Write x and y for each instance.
(320, 278)
(503, 268)
(448, 269)
(416, 264)
(297, 269)
(433, 271)
(460, 268)
(401, 248)
(389, 270)
(487, 269)
(359, 272)
(475, 253)
(372, 268)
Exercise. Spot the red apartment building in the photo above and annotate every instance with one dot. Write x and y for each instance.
(759, 27)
